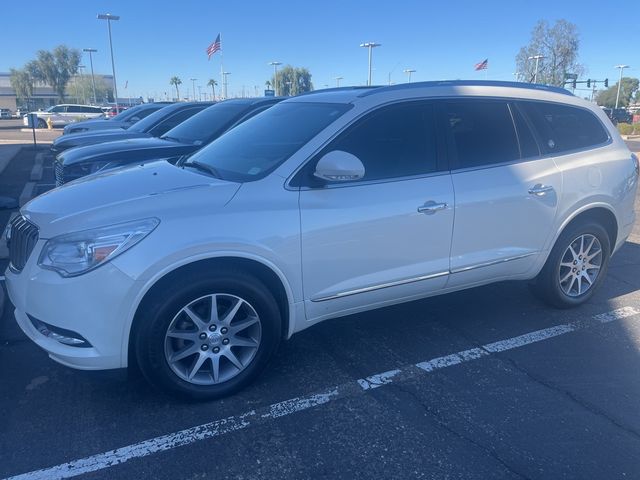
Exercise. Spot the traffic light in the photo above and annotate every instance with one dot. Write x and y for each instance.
(574, 83)
(606, 83)
(589, 83)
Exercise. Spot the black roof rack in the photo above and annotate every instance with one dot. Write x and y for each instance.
(465, 83)
(339, 89)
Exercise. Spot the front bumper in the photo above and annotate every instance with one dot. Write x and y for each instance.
(95, 305)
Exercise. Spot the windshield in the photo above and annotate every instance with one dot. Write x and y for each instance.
(149, 122)
(253, 149)
(128, 113)
(208, 124)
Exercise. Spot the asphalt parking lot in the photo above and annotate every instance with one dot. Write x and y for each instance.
(486, 383)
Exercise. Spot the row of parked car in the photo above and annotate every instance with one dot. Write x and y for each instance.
(227, 228)
(146, 132)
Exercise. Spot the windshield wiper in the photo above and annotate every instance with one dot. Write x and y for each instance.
(203, 167)
(171, 139)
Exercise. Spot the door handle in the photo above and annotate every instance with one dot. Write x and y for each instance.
(540, 190)
(431, 207)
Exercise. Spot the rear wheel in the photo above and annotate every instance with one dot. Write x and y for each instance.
(576, 266)
(208, 337)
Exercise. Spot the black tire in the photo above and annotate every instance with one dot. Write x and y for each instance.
(42, 123)
(153, 323)
(546, 285)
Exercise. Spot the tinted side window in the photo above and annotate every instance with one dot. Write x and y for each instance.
(528, 145)
(173, 121)
(396, 141)
(58, 109)
(74, 109)
(562, 128)
(143, 113)
(480, 133)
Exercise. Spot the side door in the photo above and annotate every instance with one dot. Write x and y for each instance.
(386, 237)
(57, 115)
(506, 192)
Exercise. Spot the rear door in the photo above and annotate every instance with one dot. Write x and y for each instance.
(506, 192)
(385, 237)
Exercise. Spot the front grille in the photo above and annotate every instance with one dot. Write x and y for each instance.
(23, 236)
(59, 170)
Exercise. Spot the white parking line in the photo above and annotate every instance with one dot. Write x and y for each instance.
(1, 278)
(255, 417)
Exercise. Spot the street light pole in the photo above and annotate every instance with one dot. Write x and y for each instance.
(409, 71)
(370, 46)
(275, 76)
(108, 17)
(537, 59)
(193, 84)
(621, 67)
(224, 83)
(337, 79)
(90, 51)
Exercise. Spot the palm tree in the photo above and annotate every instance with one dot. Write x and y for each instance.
(176, 81)
(268, 84)
(212, 83)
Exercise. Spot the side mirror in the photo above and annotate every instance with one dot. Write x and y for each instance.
(339, 166)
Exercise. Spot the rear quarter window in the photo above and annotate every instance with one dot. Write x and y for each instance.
(562, 128)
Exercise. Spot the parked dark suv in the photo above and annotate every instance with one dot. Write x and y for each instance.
(618, 115)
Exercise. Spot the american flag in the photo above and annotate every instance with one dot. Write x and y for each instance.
(214, 47)
(482, 65)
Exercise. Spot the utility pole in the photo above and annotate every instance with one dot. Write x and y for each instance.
(621, 67)
(370, 46)
(337, 79)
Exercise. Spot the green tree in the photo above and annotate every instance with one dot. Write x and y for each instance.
(81, 89)
(212, 83)
(558, 44)
(268, 84)
(22, 84)
(175, 81)
(629, 87)
(292, 81)
(55, 68)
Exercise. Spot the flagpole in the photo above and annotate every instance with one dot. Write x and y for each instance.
(222, 88)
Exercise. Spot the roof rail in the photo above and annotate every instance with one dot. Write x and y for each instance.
(339, 89)
(467, 83)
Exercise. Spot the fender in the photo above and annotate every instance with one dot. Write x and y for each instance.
(151, 281)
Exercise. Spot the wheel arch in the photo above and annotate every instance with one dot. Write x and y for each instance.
(601, 213)
(265, 271)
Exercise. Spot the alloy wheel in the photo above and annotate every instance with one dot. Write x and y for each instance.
(212, 339)
(580, 265)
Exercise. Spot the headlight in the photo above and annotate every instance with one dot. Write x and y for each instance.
(80, 252)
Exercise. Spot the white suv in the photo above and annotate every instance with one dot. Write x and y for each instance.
(326, 204)
(62, 115)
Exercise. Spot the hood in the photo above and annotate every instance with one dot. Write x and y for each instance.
(134, 148)
(156, 189)
(91, 138)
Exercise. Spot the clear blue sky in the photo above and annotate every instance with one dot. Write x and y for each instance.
(155, 40)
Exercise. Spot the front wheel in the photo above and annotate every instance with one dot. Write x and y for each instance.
(42, 123)
(576, 266)
(208, 337)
